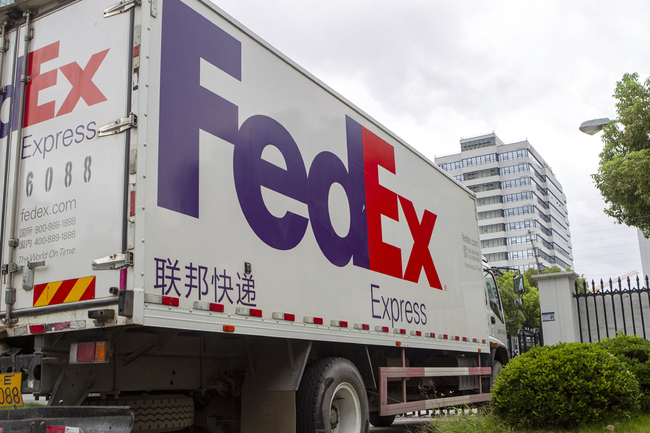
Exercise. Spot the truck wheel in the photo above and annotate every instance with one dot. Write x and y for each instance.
(496, 369)
(155, 413)
(381, 421)
(331, 398)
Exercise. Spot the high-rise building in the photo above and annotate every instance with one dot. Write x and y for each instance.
(521, 209)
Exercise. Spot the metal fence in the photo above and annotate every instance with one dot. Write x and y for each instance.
(607, 309)
(525, 340)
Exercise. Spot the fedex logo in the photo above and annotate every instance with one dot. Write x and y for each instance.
(42, 77)
(186, 107)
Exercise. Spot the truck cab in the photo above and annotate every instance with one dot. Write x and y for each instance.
(496, 323)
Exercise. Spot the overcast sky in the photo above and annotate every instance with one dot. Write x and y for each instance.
(435, 71)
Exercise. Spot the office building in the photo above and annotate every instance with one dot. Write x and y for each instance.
(521, 209)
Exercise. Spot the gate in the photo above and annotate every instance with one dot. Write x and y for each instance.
(605, 310)
(525, 340)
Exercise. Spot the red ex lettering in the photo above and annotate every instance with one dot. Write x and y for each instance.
(386, 258)
(81, 80)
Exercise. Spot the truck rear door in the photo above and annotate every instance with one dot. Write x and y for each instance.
(64, 192)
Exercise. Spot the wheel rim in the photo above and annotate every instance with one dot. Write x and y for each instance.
(345, 410)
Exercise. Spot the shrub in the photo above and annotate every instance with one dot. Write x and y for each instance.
(635, 352)
(564, 386)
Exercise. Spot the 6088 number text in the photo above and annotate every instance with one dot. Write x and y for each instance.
(67, 178)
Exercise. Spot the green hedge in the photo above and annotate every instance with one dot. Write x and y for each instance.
(564, 386)
(635, 352)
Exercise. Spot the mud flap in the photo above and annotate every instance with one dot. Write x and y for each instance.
(50, 419)
(269, 390)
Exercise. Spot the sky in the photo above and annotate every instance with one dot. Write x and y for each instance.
(436, 71)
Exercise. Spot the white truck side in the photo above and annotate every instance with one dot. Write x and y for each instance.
(195, 227)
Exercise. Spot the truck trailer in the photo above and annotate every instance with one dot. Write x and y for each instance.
(196, 228)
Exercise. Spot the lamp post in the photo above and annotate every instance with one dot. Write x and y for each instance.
(593, 126)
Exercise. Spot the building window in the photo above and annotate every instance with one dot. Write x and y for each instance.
(514, 169)
(481, 174)
(515, 211)
(484, 201)
(485, 187)
(515, 154)
(477, 144)
(496, 213)
(520, 225)
(492, 228)
(515, 183)
(518, 196)
(496, 257)
(491, 243)
(518, 240)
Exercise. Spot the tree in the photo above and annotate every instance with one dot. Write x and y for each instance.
(623, 176)
(529, 313)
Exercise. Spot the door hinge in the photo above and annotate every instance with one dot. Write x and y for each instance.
(115, 261)
(28, 274)
(10, 295)
(120, 125)
(121, 7)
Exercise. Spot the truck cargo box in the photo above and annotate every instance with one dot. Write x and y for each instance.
(190, 215)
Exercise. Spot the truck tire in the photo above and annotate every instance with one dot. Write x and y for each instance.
(496, 369)
(381, 421)
(331, 398)
(155, 413)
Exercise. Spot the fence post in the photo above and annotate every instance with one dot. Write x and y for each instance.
(558, 307)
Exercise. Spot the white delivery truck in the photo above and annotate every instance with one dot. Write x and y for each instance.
(198, 229)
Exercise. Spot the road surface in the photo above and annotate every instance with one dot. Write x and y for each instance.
(403, 424)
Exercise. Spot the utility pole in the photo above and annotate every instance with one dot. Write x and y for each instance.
(530, 236)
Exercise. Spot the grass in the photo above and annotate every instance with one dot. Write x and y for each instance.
(490, 424)
(27, 406)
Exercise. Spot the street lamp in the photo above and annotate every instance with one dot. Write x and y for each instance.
(593, 126)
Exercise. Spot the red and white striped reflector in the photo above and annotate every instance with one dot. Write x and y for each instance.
(59, 429)
(60, 326)
(465, 339)
(416, 333)
(382, 329)
(313, 320)
(208, 306)
(284, 316)
(474, 340)
(362, 326)
(48, 327)
(254, 312)
(444, 336)
(482, 341)
(399, 331)
(430, 334)
(150, 298)
(456, 338)
(339, 323)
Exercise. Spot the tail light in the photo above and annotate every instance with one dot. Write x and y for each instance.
(88, 352)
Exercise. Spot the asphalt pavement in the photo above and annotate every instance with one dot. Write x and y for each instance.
(403, 424)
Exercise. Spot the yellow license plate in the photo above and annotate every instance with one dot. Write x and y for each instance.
(10, 393)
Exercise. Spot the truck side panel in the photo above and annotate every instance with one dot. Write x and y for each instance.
(258, 163)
